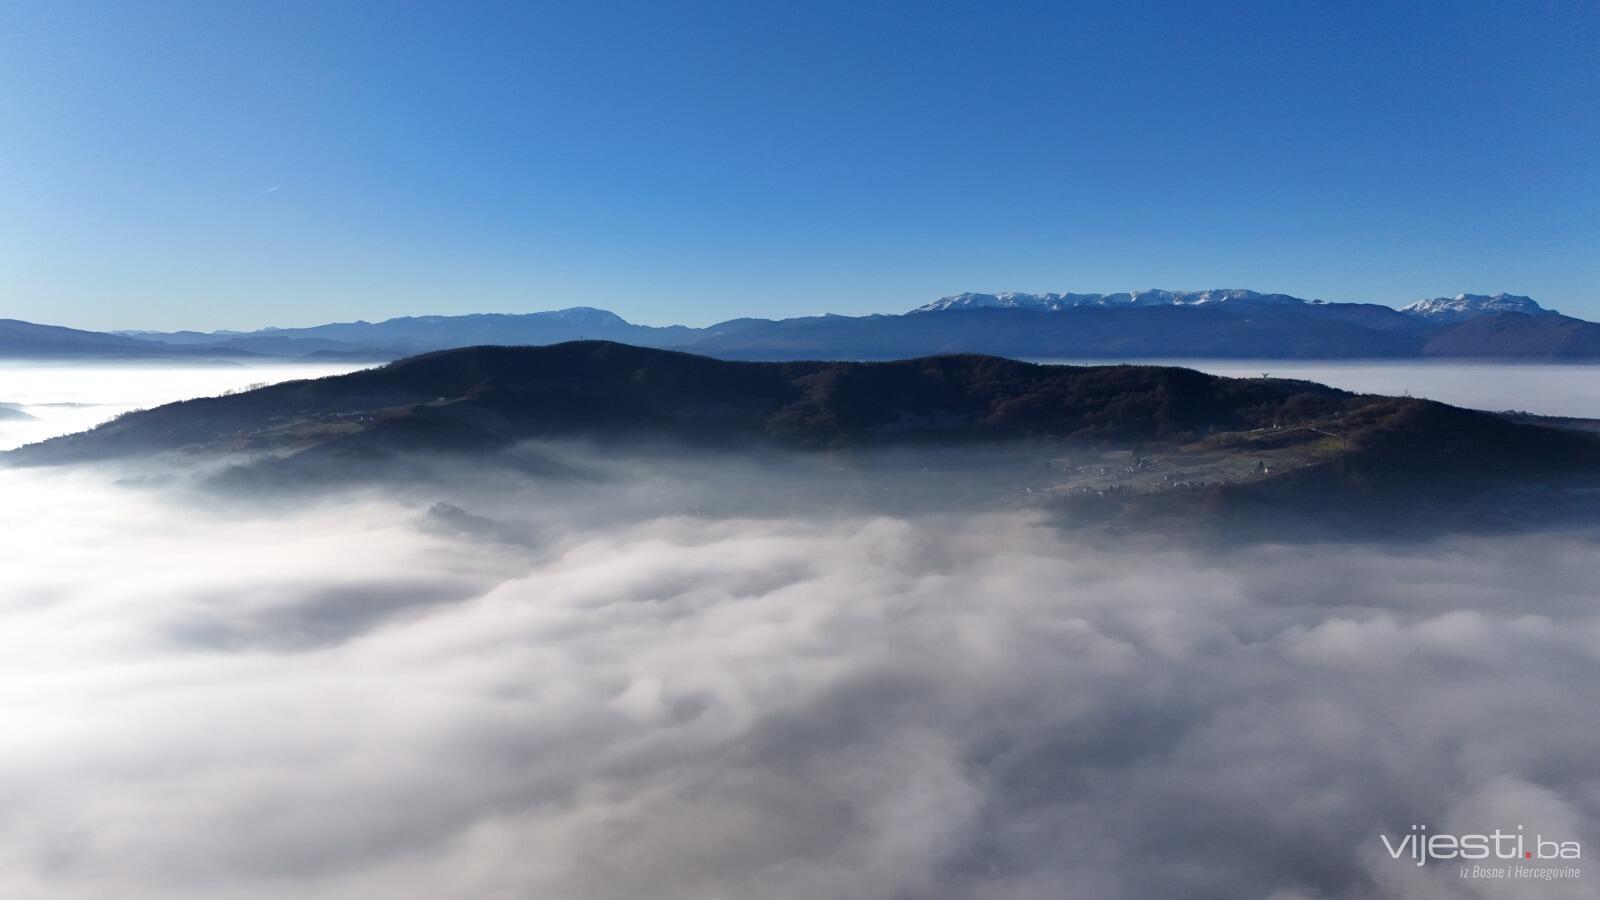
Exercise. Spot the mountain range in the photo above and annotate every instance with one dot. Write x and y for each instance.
(1136, 325)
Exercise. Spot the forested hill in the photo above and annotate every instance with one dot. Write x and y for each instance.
(492, 396)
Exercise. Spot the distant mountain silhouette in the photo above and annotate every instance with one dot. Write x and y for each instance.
(1518, 336)
(409, 335)
(1138, 325)
(1087, 332)
(26, 340)
(1053, 302)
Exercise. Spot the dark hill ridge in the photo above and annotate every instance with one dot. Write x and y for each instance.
(485, 396)
(1413, 469)
(1160, 443)
(501, 394)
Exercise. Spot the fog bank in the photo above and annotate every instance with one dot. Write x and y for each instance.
(1546, 390)
(65, 397)
(631, 684)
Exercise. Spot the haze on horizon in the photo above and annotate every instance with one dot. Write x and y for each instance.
(176, 166)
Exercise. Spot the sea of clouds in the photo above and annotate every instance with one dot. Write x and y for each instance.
(1546, 390)
(718, 677)
(43, 399)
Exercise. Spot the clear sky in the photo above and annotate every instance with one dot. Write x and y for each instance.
(233, 165)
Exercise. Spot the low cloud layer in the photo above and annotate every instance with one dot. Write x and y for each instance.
(57, 398)
(636, 685)
(1544, 389)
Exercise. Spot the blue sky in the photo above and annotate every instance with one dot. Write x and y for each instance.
(690, 162)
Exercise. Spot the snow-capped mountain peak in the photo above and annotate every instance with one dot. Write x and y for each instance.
(1051, 302)
(1467, 306)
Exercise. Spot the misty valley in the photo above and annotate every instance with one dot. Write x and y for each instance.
(799, 451)
(599, 621)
